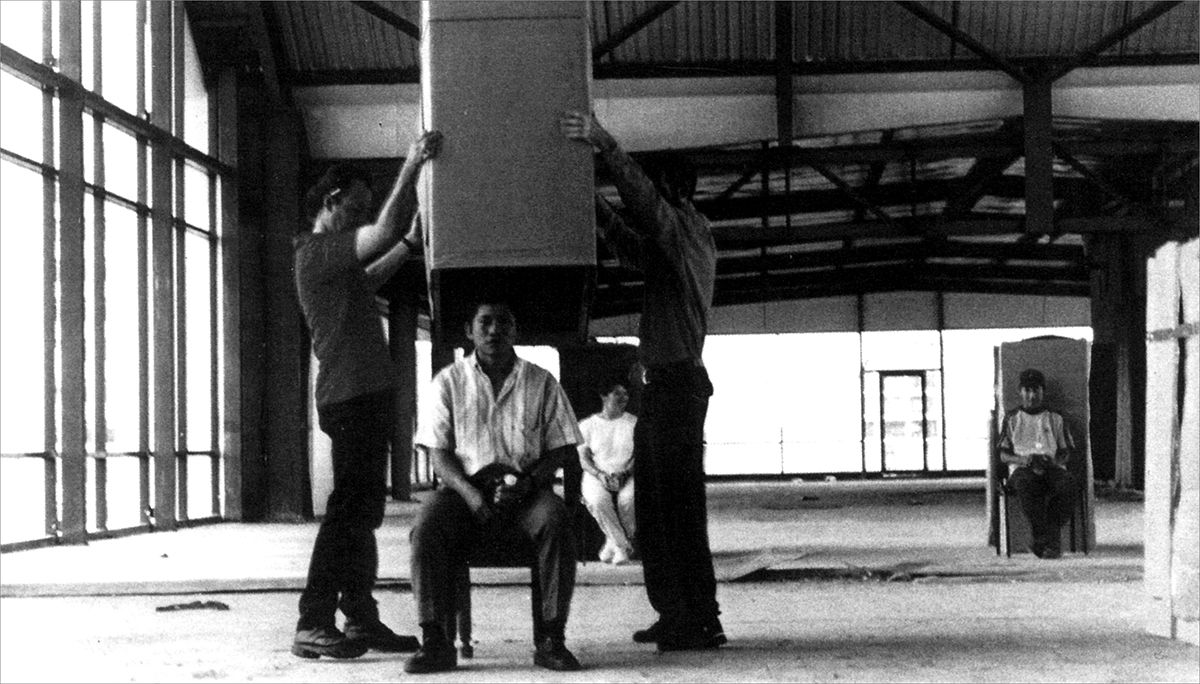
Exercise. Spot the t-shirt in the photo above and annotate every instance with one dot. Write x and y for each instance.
(343, 319)
(1040, 432)
(611, 441)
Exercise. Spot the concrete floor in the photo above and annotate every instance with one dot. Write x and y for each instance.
(886, 581)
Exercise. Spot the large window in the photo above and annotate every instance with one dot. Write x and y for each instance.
(109, 327)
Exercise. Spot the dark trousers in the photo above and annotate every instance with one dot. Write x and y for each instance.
(345, 559)
(670, 505)
(445, 533)
(1046, 498)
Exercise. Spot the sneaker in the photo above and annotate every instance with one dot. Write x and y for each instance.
(378, 637)
(620, 557)
(326, 641)
(689, 637)
(607, 553)
(552, 654)
(650, 634)
(436, 655)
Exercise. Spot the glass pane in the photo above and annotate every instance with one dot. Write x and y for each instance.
(118, 29)
(91, 360)
(22, 305)
(21, 30)
(122, 331)
(903, 429)
(91, 497)
(86, 10)
(120, 163)
(901, 350)
(21, 125)
(933, 421)
(199, 484)
(124, 492)
(195, 97)
(195, 196)
(742, 419)
(22, 498)
(197, 278)
(89, 148)
(822, 424)
(872, 435)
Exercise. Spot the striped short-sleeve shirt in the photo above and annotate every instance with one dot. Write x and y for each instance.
(530, 416)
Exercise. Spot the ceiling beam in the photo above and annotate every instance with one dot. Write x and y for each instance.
(958, 36)
(390, 18)
(753, 235)
(1039, 157)
(1093, 51)
(784, 85)
(627, 31)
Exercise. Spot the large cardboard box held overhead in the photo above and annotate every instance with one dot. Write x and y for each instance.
(508, 205)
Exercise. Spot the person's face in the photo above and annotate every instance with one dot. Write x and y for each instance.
(350, 207)
(616, 400)
(493, 330)
(1031, 397)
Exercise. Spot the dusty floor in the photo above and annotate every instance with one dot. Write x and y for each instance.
(805, 593)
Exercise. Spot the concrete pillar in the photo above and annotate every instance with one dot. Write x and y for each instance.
(1118, 357)
(1172, 513)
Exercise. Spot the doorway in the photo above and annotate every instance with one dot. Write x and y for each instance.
(910, 412)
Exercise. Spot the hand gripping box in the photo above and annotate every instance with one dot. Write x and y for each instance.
(508, 204)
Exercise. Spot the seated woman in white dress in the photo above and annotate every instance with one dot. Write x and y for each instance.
(606, 455)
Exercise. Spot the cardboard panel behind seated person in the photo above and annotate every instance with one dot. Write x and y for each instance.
(508, 205)
(1065, 363)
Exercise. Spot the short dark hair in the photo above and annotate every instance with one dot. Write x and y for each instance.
(492, 301)
(1032, 377)
(337, 177)
(674, 169)
(606, 385)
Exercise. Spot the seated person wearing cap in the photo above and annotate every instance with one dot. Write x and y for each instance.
(497, 428)
(1036, 445)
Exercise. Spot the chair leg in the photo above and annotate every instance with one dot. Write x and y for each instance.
(1007, 528)
(462, 613)
(535, 603)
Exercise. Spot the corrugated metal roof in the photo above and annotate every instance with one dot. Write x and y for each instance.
(340, 36)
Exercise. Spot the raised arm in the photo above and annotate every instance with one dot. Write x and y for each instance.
(373, 239)
(637, 191)
(624, 243)
(382, 269)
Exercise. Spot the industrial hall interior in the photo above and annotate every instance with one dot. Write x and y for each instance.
(940, 271)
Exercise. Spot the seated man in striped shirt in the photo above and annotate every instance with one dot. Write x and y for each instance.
(492, 411)
(1036, 445)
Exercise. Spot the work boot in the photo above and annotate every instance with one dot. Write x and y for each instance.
(378, 637)
(650, 634)
(552, 654)
(325, 641)
(693, 636)
(435, 655)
